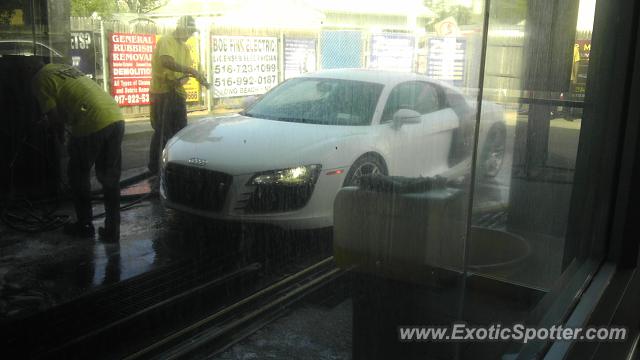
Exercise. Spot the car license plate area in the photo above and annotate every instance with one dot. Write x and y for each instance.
(197, 188)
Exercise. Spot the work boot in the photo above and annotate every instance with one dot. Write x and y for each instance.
(79, 230)
(108, 236)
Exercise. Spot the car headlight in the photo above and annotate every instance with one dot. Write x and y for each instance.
(298, 175)
(165, 157)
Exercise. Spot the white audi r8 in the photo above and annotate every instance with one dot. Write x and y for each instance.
(282, 160)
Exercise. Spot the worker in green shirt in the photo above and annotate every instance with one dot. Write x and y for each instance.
(66, 96)
(170, 67)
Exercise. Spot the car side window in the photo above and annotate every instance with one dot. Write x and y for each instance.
(26, 49)
(42, 51)
(418, 96)
(9, 48)
(428, 99)
(456, 102)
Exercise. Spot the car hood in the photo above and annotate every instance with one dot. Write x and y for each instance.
(242, 145)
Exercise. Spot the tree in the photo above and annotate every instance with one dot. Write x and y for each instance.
(144, 6)
(107, 7)
(508, 11)
(503, 12)
(87, 7)
(7, 8)
(448, 8)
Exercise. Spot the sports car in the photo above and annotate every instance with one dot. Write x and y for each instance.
(283, 159)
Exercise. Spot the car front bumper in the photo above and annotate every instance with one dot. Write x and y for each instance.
(317, 213)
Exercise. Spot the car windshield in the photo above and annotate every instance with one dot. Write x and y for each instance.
(320, 101)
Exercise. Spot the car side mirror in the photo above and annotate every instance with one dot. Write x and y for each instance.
(405, 116)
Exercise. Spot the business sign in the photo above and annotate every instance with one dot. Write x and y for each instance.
(299, 56)
(446, 59)
(83, 53)
(131, 67)
(447, 27)
(581, 53)
(392, 52)
(243, 65)
(192, 87)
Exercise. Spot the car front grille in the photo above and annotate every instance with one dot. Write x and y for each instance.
(197, 188)
(276, 198)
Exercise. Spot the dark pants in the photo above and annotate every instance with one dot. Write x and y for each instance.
(168, 116)
(101, 148)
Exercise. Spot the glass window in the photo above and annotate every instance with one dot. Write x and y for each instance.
(10, 48)
(320, 101)
(229, 173)
(417, 96)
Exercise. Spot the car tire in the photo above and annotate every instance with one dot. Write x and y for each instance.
(365, 165)
(493, 151)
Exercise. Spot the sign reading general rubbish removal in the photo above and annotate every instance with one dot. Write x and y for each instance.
(131, 67)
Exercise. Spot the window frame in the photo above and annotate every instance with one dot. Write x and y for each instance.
(442, 103)
(601, 283)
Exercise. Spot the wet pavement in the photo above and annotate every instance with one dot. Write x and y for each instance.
(42, 270)
(310, 331)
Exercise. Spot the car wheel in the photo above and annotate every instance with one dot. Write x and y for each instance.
(493, 151)
(364, 166)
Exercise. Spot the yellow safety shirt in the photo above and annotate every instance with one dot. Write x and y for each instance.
(163, 79)
(80, 102)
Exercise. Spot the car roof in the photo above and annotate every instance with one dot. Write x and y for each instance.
(385, 77)
(20, 41)
(24, 41)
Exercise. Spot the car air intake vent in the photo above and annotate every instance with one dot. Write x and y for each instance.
(196, 188)
(278, 198)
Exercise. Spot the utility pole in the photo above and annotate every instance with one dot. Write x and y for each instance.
(548, 53)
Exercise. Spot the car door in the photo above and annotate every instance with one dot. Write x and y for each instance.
(432, 146)
(402, 96)
(421, 148)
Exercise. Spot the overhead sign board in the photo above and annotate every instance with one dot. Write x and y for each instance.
(446, 59)
(299, 56)
(392, 52)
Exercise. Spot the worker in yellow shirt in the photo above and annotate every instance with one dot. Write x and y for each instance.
(68, 97)
(170, 67)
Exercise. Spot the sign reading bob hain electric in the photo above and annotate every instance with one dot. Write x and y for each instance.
(131, 67)
(243, 65)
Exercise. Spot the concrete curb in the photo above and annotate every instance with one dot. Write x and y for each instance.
(142, 124)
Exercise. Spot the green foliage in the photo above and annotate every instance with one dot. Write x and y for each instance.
(106, 8)
(503, 12)
(87, 7)
(7, 7)
(144, 6)
(450, 8)
(508, 11)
